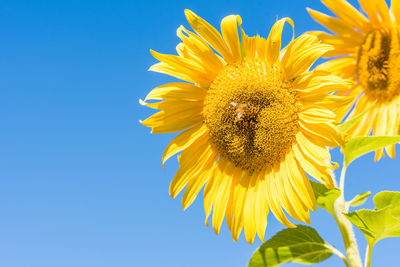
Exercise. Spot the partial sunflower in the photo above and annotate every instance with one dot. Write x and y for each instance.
(368, 52)
(254, 120)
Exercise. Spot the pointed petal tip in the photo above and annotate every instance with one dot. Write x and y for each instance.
(163, 160)
(151, 68)
(171, 192)
(142, 102)
(250, 239)
(235, 238)
(146, 125)
(189, 14)
(310, 10)
(313, 208)
(216, 229)
(236, 235)
(185, 207)
(153, 53)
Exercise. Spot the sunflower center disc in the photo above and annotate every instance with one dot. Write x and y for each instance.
(378, 65)
(251, 114)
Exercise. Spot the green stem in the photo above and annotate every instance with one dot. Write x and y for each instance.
(368, 254)
(346, 229)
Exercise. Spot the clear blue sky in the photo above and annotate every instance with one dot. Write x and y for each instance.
(81, 182)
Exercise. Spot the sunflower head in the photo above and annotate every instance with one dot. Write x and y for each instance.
(255, 120)
(252, 118)
(366, 47)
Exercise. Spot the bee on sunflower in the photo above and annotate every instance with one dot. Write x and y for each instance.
(254, 121)
(367, 51)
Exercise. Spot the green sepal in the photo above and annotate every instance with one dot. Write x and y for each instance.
(346, 125)
(325, 197)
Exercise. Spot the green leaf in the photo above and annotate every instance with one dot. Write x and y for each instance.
(375, 224)
(302, 245)
(389, 199)
(346, 125)
(325, 197)
(359, 146)
(359, 199)
(382, 222)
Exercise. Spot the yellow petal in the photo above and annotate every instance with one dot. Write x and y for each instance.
(342, 45)
(319, 83)
(177, 91)
(316, 169)
(261, 206)
(175, 116)
(237, 173)
(318, 125)
(335, 25)
(377, 11)
(210, 34)
(197, 72)
(249, 210)
(301, 54)
(340, 42)
(195, 184)
(210, 191)
(396, 10)
(382, 127)
(347, 13)
(249, 44)
(364, 126)
(274, 39)
(184, 140)
(180, 73)
(317, 154)
(240, 194)
(289, 201)
(301, 184)
(317, 115)
(222, 194)
(194, 159)
(274, 199)
(198, 50)
(344, 67)
(230, 33)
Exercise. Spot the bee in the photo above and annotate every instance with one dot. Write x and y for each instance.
(240, 109)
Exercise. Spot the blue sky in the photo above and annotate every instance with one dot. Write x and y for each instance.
(81, 182)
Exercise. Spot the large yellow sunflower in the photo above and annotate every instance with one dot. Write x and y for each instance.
(254, 120)
(370, 55)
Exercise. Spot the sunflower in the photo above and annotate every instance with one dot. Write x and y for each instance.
(254, 121)
(367, 51)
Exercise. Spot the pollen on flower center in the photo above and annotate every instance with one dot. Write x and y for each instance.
(378, 65)
(252, 114)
